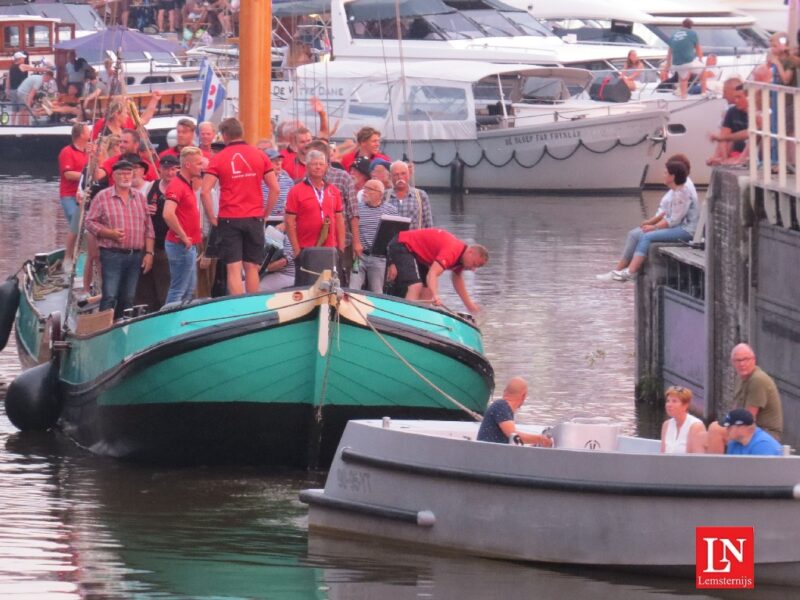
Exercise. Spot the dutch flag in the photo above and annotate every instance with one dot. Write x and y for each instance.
(213, 94)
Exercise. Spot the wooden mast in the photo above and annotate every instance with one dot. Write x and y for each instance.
(255, 68)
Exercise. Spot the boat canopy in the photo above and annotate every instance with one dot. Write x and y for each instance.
(300, 8)
(376, 10)
(423, 100)
(130, 42)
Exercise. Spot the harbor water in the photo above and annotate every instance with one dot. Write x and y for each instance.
(78, 526)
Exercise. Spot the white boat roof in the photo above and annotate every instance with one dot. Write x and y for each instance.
(702, 12)
(28, 18)
(583, 9)
(445, 70)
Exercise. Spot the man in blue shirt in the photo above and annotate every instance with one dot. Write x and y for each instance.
(747, 438)
(498, 421)
(685, 55)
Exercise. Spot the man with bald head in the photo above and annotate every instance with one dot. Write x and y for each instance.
(498, 421)
(756, 392)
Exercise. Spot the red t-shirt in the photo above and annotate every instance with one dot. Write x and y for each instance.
(434, 245)
(180, 191)
(303, 202)
(70, 159)
(100, 123)
(240, 169)
(349, 158)
(108, 167)
(293, 167)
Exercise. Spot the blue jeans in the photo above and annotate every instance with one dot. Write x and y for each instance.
(634, 235)
(120, 275)
(373, 270)
(182, 272)
(673, 234)
(72, 212)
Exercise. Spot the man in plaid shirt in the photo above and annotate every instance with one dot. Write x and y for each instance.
(409, 201)
(118, 218)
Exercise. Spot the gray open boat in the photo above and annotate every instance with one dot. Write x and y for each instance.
(598, 498)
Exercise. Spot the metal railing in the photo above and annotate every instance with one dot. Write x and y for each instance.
(773, 175)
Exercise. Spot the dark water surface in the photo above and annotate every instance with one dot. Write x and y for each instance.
(77, 526)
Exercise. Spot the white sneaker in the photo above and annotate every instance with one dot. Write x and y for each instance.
(622, 275)
(605, 276)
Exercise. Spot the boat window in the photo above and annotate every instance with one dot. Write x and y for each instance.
(157, 79)
(720, 40)
(455, 26)
(11, 36)
(64, 33)
(368, 101)
(38, 36)
(492, 22)
(606, 31)
(435, 103)
(526, 23)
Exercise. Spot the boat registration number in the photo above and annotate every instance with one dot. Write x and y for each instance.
(353, 480)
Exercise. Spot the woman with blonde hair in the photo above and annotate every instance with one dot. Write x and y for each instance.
(633, 70)
(681, 433)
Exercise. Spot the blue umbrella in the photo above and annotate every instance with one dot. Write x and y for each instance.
(129, 43)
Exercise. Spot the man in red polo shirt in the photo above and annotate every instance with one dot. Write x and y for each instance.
(417, 259)
(369, 145)
(294, 157)
(184, 132)
(239, 168)
(183, 219)
(71, 161)
(314, 211)
(129, 144)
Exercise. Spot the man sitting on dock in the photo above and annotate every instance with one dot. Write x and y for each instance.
(756, 392)
(417, 258)
(498, 421)
(746, 438)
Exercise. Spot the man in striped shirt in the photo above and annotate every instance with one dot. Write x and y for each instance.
(372, 268)
(119, 219)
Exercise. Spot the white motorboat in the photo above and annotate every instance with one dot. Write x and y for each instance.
(484, 126)
(596, 498)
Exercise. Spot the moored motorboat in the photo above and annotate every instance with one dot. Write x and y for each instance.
(598, 498)
(263, 378)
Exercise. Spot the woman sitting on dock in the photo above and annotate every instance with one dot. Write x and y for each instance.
(682, 433)
(674, 221)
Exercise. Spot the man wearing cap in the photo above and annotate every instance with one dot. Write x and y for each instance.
(498, 425)
(239, 170)
(38, 82)
(417, 259)
(746, 438)
(359, 170)
(284, 182)
(153, 286)
(17, 73)
(379, 168)
(409, 201)
(756, 392)
(119, 219)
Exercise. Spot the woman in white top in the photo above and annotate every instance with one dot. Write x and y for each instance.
(682, 433)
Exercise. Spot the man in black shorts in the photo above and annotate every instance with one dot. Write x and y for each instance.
(169, 7)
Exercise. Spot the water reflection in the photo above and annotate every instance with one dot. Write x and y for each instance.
(77, 526)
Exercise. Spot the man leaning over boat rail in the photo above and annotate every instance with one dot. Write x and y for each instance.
(416, 259)
(756, 392)
(498, 420)
(119, 218)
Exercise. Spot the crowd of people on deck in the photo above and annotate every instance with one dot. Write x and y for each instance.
(185, 17)
(153, 222)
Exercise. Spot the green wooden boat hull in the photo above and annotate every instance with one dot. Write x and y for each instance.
(267, 379)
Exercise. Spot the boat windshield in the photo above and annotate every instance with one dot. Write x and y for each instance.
(454, 26)
(606, 31)
(720, 40)
(492, 22)
(526, 23)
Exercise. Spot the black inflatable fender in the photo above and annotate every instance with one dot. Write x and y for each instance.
(9, 302)
(33, 401)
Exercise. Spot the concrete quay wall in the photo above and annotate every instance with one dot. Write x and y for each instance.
(694, 305)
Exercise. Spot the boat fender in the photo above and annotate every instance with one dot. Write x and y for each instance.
(9, 301)
(54, 322)
(32, 400)
(457, 175)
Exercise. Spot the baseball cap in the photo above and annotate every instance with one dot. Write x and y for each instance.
(122, 164)
(380, 162)
(18, 55)
(136, 160)
(361, 164)
(272, 154)
(738, 416)
(170, 160)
